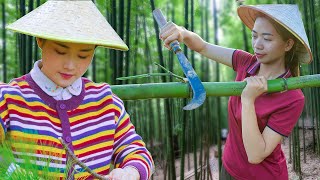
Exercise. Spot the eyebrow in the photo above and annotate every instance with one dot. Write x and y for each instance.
(268, 34)
(67, 47)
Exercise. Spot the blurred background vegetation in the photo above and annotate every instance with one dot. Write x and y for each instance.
(172, 134)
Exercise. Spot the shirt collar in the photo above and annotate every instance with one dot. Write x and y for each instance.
(255, 66)
(49, 87)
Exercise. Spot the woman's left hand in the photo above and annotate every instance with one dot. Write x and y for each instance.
(256, 85)
(128, 173)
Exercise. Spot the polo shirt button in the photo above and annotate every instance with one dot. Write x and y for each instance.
(62, 106)
(68, 139)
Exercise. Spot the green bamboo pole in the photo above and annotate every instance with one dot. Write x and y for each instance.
(181, 90)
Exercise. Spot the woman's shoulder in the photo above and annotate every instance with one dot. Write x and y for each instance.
(90, 84)
(288, 97)
(96, 89)
(17, 86)
(101, 89)
(295, 94)
(15, 83)
(288, 93)
(242, 60)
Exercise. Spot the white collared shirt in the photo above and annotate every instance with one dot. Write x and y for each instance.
(50, 88)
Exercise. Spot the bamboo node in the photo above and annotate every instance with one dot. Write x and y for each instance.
(285, 85)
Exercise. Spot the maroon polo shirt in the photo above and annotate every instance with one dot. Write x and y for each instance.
(279, 111)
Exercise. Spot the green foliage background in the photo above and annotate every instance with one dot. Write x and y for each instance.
(153, 118)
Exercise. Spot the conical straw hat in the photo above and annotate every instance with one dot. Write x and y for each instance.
(69, 21)
(287, 16)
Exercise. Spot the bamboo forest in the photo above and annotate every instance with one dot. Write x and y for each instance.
(184, 144)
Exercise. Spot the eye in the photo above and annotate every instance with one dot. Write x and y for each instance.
(254, 36)
(59, 52)
(267, 39)
(83, 57)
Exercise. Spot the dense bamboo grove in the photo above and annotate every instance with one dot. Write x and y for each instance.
(170, 132)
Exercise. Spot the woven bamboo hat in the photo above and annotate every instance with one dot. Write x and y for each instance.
(287, 16)
(76, 21)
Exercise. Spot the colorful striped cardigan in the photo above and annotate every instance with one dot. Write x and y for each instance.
(95, 124)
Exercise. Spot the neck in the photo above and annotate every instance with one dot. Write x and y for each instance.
(271, 71)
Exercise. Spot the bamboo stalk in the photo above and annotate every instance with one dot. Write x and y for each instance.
(4, 42)
(181, 90)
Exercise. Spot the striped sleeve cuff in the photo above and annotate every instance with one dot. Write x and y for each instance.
(142, 168)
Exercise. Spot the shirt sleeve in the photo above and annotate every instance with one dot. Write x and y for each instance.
(241, 60)
(129, 148)
(284, 120)
(4, 120)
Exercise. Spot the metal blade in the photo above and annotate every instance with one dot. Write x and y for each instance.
(199, 93)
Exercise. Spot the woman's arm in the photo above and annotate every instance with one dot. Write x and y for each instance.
(130, 153)
(171, 32)
(258, 146)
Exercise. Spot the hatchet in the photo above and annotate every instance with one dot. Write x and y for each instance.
(199, 93)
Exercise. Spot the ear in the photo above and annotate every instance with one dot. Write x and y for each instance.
(40, 42)
(289, 45)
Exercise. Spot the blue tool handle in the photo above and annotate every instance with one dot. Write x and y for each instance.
(175, 45)
(161, 20)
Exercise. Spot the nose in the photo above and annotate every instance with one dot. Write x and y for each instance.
(257, 43)
(69, 64)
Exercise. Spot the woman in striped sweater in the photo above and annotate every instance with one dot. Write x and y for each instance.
(55, 102)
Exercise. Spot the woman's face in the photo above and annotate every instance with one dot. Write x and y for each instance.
(64, 62)
(268, 45)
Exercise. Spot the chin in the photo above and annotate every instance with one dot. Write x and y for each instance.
(63, 84)
(260, 60)
(263, 61)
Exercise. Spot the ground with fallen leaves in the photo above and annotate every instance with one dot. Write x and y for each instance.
(310, 169)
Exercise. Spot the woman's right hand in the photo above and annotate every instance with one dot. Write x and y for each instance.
(171, 32)
(128, 173)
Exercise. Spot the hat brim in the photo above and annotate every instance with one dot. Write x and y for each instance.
(248, 15)
(105, 44)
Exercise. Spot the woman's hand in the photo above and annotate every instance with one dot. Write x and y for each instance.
(256, 85)
(171, 32)
(128, 173)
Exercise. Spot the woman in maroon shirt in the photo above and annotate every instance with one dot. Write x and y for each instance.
(258, 120)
